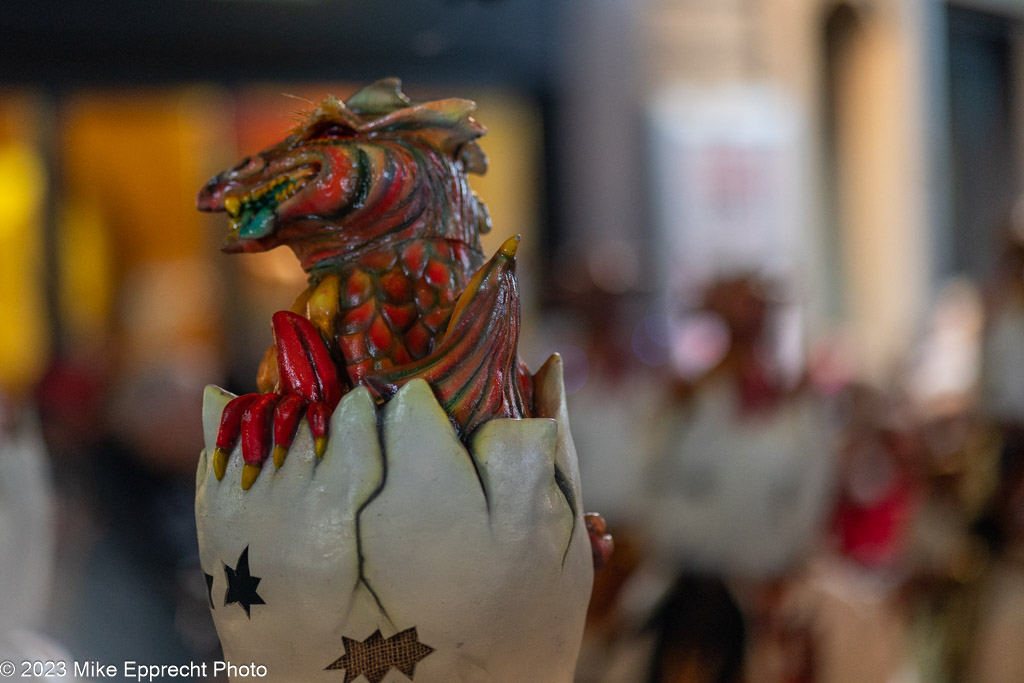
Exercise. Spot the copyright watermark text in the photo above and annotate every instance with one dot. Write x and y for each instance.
(132, 670)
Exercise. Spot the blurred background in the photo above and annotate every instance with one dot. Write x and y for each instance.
(779, 243)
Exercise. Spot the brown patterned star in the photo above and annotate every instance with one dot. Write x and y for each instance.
(377, 655)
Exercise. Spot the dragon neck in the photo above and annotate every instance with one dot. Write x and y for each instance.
(414, 256)
(391, 305)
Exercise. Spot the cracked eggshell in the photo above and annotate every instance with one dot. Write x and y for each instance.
(483, 550)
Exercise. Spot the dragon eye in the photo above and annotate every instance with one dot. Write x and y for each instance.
(330, 131)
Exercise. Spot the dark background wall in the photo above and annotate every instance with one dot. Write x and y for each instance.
(505, 42)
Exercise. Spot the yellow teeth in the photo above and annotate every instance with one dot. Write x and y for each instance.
(282, 187)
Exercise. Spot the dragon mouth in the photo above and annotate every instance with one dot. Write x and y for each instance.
(252, 213)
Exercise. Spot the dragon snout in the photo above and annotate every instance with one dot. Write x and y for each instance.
(211, 197)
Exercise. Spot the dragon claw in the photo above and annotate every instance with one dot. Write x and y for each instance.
(601, 543)
(319, 414)
(267, 423)
(304, 363)
(220, 462)
(229, 431)
(286, 422)
(249, 474)
(256, 428)
(279, 453)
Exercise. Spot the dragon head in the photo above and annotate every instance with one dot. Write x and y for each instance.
(372, 168)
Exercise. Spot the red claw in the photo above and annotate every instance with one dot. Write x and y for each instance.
(227, 433)
(309, 384)
(304, 364)
(318, 415)
(256, 423)
(255, 428)
(286, 423)
(231, 421)
(292, 362)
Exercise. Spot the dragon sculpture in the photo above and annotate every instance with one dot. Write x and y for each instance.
(371, 195)
(401, 355)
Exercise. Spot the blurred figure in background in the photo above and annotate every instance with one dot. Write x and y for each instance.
(737, 491)
(741, 480)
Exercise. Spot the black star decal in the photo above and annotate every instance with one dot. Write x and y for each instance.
(209, 588)
(375, 656)
(242, 585)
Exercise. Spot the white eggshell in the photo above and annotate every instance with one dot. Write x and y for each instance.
(483, 550)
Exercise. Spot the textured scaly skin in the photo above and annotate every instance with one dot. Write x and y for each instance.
(388, 308)
(474, 378)
(371, 194)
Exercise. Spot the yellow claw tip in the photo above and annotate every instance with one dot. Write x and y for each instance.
(249, 474)
(320, 446)
(279, 453)
(510, 246)
(220, 463)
